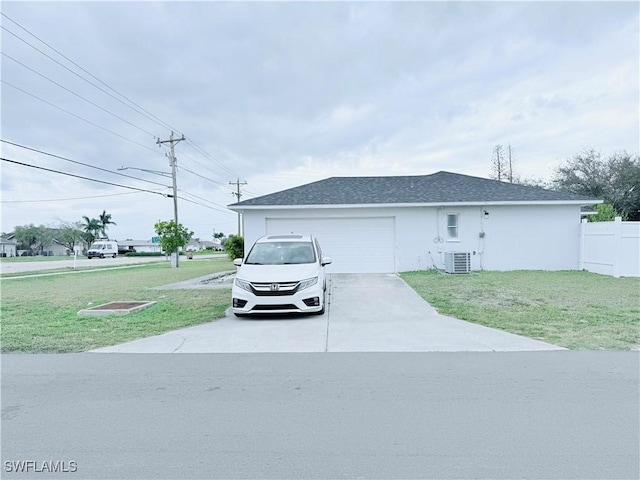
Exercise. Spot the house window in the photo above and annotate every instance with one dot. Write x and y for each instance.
(452, 225)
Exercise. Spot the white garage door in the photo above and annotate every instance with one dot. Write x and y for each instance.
(356, 245)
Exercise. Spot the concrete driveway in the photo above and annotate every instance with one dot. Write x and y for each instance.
(365, 313)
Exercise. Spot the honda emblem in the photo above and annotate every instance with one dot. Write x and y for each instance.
(275, 287)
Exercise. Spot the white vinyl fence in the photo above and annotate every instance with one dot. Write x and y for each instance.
(610, 248)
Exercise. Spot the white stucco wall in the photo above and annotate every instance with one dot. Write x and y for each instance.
(532, 237)
(515, 237)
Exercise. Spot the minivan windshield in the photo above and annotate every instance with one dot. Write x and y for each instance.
(281, 253)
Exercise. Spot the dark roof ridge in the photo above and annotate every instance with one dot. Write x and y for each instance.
(438, 187)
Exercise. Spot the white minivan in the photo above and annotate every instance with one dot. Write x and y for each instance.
(281, 274)
(103, 248)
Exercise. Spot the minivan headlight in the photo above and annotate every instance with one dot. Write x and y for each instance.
(243, 284)
(307, 283)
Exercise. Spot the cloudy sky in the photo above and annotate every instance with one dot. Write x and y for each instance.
(278, 94)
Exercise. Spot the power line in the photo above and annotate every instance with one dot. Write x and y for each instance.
(69, 199)
(80, 176)
(216, 182)
(81, 163)
(200, 204)
(206, 154)
(74, 73)
(139, 109)
(205, 200)
(202, 176)
(158, 121)
(198, 163)
(253, 193)
(79, 117)
(78, 95)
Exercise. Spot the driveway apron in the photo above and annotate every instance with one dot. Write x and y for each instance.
(365, 313)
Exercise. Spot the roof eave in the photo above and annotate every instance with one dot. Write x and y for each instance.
(239, 208)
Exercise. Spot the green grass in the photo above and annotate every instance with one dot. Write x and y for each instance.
(40, 314)
(573, 309)
(70, 270)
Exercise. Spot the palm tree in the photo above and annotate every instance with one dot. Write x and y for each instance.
(105, 221)
(91, 228)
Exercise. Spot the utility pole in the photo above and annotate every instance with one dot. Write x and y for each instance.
(172, 159)
(237, 194)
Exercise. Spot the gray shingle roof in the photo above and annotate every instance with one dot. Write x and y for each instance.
(441, 187)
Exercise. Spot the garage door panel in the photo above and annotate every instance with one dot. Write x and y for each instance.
(356, 245)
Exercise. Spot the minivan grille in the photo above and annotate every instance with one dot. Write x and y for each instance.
(274, 289)
(274, 307)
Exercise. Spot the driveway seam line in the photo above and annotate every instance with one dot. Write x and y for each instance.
(326, 343)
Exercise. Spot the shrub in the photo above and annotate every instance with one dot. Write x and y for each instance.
(234, 246)
(606, 213)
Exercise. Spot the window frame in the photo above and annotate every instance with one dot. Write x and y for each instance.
(450, 237)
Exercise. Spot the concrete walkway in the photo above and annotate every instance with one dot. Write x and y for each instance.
(366, 313)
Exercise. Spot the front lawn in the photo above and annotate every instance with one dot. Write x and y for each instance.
(573, 309)
(40, 314)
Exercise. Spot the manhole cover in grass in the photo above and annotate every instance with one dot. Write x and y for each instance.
(116, 308)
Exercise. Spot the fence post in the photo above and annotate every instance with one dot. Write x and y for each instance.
(583, 234)
(617, 242)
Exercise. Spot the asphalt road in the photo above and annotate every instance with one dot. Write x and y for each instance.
(552, 415)
(18, 267)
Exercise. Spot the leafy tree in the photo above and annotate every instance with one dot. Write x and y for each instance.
(70, 234)
(26, 236)
(92, 228)
(606, 213)
(532, 182)
(105, 221)
(615, 179)
(30, 237)
(45, 238)
(234, 246)
(172, 235)
(218, 235)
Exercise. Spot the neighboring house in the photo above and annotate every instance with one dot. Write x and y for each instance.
(214, 244)
(139, 246)
(8, 247)
(404, 223)
(54, 248)
(200, 245)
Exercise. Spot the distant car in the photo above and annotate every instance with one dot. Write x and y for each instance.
(281, 274)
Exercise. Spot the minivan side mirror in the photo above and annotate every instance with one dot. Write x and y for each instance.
(237, 262)
(326, 261)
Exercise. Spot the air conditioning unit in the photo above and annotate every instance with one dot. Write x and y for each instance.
(457, 262)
